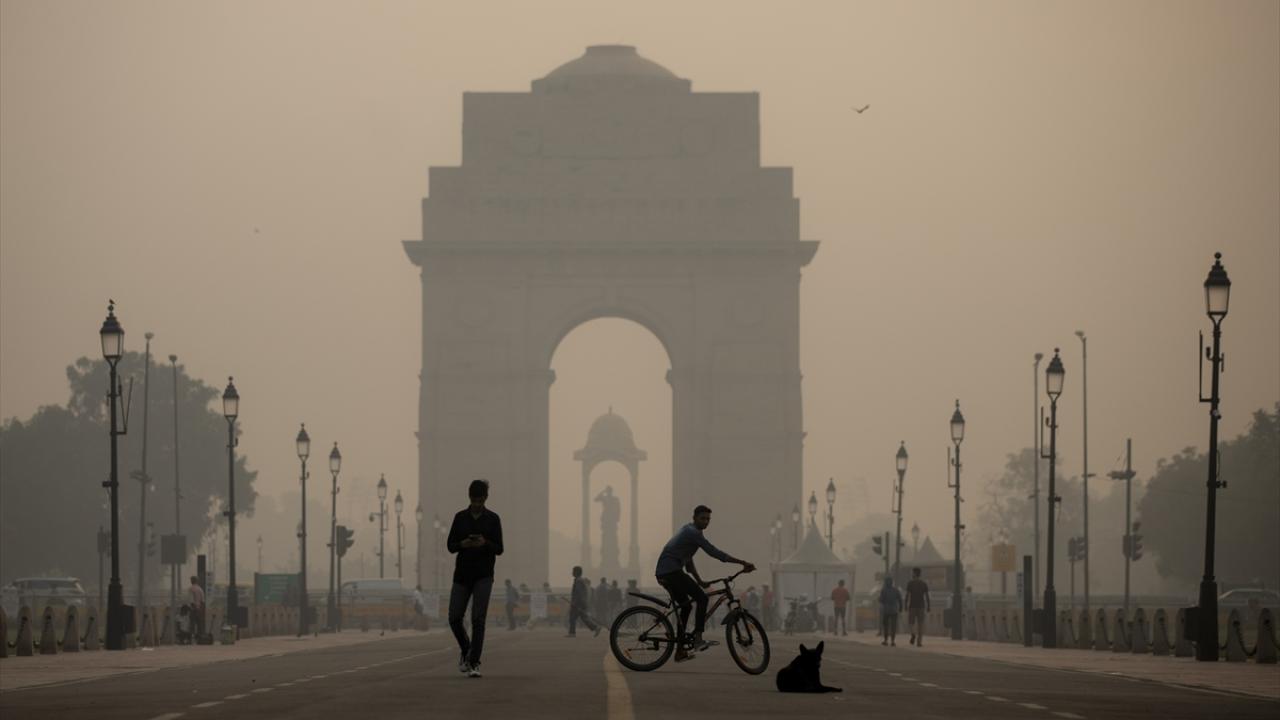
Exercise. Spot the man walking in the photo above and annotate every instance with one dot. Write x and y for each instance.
(578, 602)
(917, 606)
(476, 538)
(840, 601)
(197, 609)
(601, 598)
(890, 604)
(513, 598)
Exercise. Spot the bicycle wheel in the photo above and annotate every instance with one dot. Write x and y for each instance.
(642, 638)
(748, 643)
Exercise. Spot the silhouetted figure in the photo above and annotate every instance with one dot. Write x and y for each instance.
(513, 599)
(476, 538)
(197, 607)
(615, 600)
(675, 559)
(890, 605)
(601, 598)
(917, 606)
(610, 517)
(579, 599)
(840, 602)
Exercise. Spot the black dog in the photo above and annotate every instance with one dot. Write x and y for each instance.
(802, 674)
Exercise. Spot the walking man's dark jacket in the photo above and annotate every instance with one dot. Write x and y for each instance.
(477, 562)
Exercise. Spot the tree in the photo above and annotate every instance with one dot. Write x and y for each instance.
(52, 467)
(1172, 510)
(1009, 512)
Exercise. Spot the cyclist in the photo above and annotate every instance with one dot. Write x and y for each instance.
(676, 557)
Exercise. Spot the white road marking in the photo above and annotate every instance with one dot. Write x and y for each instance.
(974, 692)
(302, 680)
(924, 684)
(1033, 706)
(167, 716)
(235, 697)
(319, 677)
(1069, 716)
(618, 697)
(997, 698)
(896, 674)
(909, 679)
(208, 704)
(283, 684)
(262, 690)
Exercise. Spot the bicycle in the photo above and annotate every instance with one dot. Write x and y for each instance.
(643, 638)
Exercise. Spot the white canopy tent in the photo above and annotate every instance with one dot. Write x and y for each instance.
(812, 571)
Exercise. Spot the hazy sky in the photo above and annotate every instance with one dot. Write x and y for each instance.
(239, 176)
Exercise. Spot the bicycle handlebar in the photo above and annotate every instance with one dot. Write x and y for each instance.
(726, 580)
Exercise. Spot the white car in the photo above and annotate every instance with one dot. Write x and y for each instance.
(37, 592)
(1242, 597)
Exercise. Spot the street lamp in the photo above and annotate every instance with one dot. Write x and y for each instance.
(1053, 377)
(112, 337)
(303, 445)
(795, 526)
(259, 554)
(915, 541)
(777, 530)
(399, 505)
(1083, 545)
(382, 523)
(335, 466)
(1035, 472)
(231, 410)
(417, 551)
(144, 480)
(957, 437)
(831, 516)
(1217, 296)
(901, 463)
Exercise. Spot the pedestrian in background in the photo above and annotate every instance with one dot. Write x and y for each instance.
(197, 608)
(840, 601)
(579, 597)
(890, 605)
(513, 599)
(476, 538)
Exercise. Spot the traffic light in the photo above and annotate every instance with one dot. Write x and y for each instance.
(1073, 551)
(877, 545)
(151, 539)
(345, 539)
(1135, 543)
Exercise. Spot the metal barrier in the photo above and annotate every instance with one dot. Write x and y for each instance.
(1160, 633)
(1084, 634)
(48, 635)
(1120, 637)
(1138, 633)
(1101, 637)
(1235, 649)
(1264, 652)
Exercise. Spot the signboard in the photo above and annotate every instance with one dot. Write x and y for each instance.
(275, 588)
(173, 549)
(1004, 557)
(537, 605)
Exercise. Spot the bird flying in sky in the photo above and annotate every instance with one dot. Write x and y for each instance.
(861, 109)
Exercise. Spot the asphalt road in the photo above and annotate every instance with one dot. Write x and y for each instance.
(541, 674)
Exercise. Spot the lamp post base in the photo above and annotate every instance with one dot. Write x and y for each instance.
(1050, 633)
(115, 616)
(1207, 622)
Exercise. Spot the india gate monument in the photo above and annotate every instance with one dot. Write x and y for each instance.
(612, 190)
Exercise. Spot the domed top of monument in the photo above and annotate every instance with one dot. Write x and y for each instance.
(611, 432)
(604, 67)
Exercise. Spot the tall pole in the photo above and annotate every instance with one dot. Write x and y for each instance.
(1050, 634)
(382, 536)
(902, 473)
(302, 552)
(176, 570)
(1035, 462)
(1217, 292)
(417, 552)
(333, 544)
(233, 596)
(144, 481)
(957, 601)
(1128, 520)
(1084, 382)
(115, 592)
(399, 546)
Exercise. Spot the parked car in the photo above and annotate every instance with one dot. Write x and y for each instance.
(1246, 597)
(38, 592)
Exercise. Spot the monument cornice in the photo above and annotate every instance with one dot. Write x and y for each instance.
(421, 250)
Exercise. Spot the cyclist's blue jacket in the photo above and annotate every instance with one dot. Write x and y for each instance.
(680, 548)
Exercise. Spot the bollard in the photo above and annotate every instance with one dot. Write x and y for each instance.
(1138, 633)
(166, 626)
(1015, 627)
(4, 633)
(1120, 635)
(1235, 650)
(1101, 638)
(147, 631)
(1264, 653)
(91, 640)
(48, 636)
(1066, 630)
(1160, 633)
(364, 623)
(1084, 634)
(25, 646)
(1182, 647)
(71, 635)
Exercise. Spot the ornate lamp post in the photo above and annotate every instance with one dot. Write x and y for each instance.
(303, 445)
(1053, 377)
(399, 506)
(417, 553)
(231, 410)
(957, 616)
(795, 526)
(901, 461)
(382, 524)
(777, 533)
(112, 336)
(335, 466)
(1217, 297)
(813, 507)
(831, 515)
